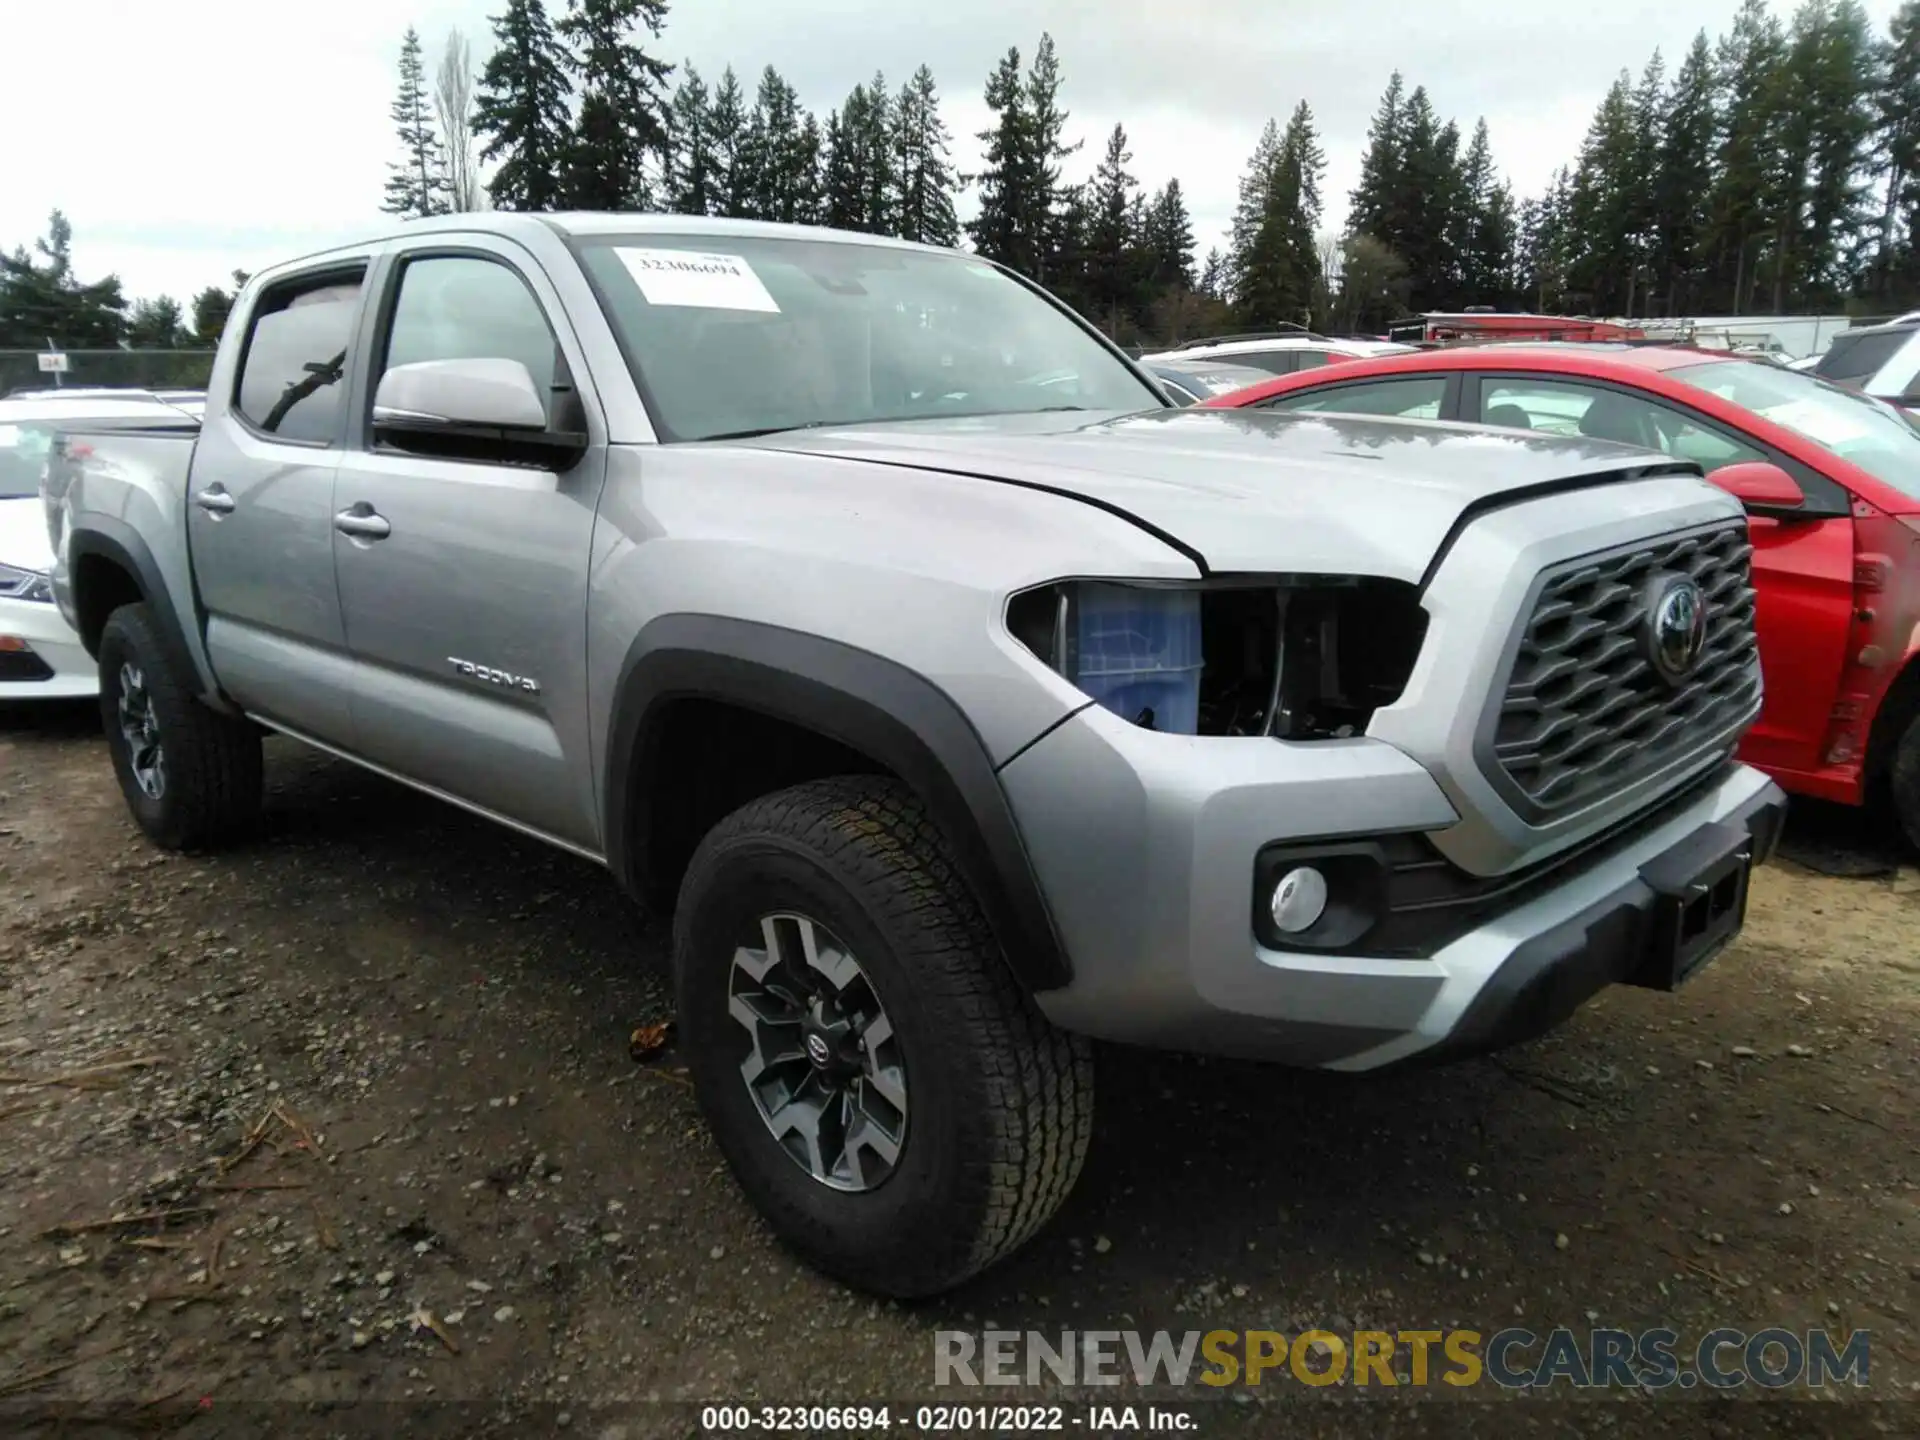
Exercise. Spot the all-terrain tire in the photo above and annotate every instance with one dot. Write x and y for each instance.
(209, 788)
(1000, 1102)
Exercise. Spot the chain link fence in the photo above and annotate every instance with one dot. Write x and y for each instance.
(144, 369)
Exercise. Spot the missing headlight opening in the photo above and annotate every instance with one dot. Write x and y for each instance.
(1298, 658)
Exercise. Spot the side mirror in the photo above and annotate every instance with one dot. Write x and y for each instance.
(496, 394)
(481, 409)
(1763, 487)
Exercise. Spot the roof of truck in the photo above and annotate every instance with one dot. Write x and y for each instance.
(517, 223)
(635, 223)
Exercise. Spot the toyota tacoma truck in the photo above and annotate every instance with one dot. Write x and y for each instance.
(860, 606)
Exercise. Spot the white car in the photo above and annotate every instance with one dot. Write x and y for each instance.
(1278, 353)
(1189, 381)
(40, 656)
(1882, 360)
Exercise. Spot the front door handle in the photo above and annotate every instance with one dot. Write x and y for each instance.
(360, 522)
(214, 500)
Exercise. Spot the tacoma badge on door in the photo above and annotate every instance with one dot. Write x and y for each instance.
(493, 676)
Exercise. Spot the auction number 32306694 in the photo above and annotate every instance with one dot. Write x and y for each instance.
(943, 1419)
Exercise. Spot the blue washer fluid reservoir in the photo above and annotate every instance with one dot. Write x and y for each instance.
(1138, 653)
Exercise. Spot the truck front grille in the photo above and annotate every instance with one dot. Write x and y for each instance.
(1585, 712)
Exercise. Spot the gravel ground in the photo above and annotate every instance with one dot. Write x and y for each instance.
(371, 1076)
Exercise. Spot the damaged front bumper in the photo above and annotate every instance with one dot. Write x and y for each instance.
(1150, 850)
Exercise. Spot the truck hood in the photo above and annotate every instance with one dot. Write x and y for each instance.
(1251, 491)
(23, 534)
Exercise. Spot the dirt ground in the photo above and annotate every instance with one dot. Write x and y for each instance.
(375, 1068)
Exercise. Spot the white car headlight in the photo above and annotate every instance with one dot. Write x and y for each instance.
(18, 584)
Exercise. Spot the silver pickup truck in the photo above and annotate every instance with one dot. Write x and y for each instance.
(964, 702)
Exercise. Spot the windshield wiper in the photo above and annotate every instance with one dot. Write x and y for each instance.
(883, 420)
(803, 425)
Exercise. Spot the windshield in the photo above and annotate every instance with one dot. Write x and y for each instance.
(1870, 433)
(23, 455)
(735, 335)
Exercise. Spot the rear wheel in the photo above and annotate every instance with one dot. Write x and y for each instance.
(889, 1099)
(191, 776)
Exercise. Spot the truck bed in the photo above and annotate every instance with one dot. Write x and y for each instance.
(98, 458)
(126, 487)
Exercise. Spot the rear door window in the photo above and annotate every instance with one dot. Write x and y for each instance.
(1417, 397)
(294, 366)
(1274, 362)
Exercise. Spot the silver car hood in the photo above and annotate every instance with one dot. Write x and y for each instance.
(1250, 491)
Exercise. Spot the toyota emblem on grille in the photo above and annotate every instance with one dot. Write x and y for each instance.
(1676, 626)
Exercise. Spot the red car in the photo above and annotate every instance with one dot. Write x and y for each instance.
(1831, 483)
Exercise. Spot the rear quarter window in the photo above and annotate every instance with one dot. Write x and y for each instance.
(1274, 362)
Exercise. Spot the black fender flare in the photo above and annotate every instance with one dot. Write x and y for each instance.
(861, 700)
(109, 538)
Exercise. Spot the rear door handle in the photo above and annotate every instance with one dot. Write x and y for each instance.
(214, 500)
(360, 522)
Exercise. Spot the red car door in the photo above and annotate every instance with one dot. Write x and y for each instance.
(1803, 573)
(1802, 567)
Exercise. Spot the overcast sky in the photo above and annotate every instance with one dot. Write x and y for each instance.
(189, 137)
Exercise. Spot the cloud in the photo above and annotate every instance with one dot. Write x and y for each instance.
(189, 138)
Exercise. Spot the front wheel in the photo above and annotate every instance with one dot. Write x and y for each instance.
(1903, 779)
(191, 776)
(889, 1099)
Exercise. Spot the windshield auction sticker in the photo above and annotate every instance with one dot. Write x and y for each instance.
(694, 278)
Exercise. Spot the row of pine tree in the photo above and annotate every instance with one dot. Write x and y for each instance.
(1776, 169)
(43, 299)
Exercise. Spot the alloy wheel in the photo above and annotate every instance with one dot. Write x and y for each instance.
(824, 1067)
(141, 730)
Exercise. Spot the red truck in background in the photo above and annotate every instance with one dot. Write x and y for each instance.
(1441, 326)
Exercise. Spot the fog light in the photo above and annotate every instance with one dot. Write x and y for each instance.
(1299, 900)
